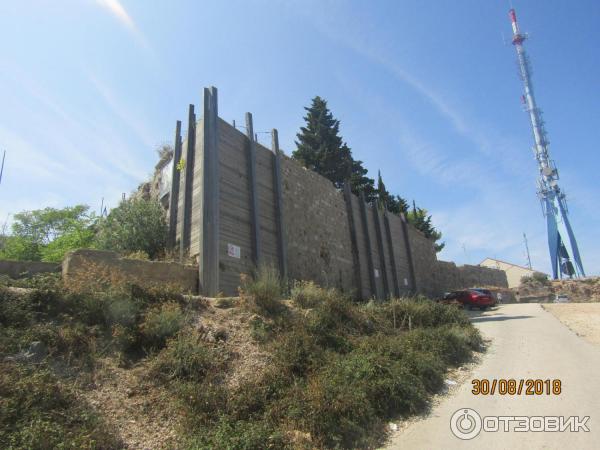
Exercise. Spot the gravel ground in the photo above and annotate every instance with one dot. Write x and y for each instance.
(581, 318)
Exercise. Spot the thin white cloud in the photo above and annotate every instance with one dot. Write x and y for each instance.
(123, 113)
(118, 11)
(490, 221)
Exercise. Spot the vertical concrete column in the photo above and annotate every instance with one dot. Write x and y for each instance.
(188, 182)
(353, 240)
(390, 244)
(209, 200)
(174, 194)
(411, 267)
(384, 277)
(370, 265)
(277, 187)
(256, 243)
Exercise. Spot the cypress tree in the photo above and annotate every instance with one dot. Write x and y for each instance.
(320, 147)
(392, 203)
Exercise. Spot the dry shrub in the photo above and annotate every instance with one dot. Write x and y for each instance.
(139, 255)
(95, 278)
(307, 294)
(262, 292)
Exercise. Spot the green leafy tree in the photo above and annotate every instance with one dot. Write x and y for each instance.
(47, 234)
(19, 248)
(135, 225)
(419, 218)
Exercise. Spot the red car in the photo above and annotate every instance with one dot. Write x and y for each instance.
(472, 298)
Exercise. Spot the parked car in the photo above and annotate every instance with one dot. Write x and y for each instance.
(472, 298)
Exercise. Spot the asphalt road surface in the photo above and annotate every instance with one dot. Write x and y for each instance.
(527, 342)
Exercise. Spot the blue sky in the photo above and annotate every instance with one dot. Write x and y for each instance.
(427, 92)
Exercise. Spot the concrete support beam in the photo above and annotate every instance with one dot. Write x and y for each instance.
(411, 267)
(188, 180)
(390, 244)
(209, 201)
(256, 242)
(277, 186)
(174, 194)
(383, 265)
(353, 241)
(370, 265)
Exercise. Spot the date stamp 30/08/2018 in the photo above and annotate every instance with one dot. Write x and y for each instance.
(513, 386)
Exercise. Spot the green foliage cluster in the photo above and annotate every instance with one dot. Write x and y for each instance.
(320, 147)
(38, 407)
(79, 326)
(536, 278)
(136, 227)
(38, 411)
(339, 371)
(419, 218)
(162, 322)
(263, 290)
(47, 234)
(308, 294)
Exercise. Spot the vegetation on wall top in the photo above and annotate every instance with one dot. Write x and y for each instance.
(136, 225)
(321, 149)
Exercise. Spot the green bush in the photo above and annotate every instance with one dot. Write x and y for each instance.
(307, 294)
(136, 225)
(260, 330)
(298, 352)
(39, 412)
(536, 278)
(160, 323)
(187, 357)
(204, 401)
(420, 312)
(264, 290)
(239, 435)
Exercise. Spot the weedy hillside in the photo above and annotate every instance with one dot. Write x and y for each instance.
(125, 367)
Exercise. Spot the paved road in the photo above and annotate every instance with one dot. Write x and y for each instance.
(527, 342)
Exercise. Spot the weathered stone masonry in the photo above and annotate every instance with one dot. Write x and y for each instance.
(240, 205)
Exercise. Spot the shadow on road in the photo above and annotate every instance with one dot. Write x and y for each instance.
(497, 318)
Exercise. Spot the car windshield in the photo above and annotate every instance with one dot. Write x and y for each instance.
(483, 291)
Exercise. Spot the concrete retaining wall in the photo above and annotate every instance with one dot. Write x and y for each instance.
(255, 206)
(22, 269)
(94, 267)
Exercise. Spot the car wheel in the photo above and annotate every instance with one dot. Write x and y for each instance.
(482, 308)
(470, 307)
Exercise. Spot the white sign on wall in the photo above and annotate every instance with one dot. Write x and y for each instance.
(234, 251)
(376, 273)
(405, 282)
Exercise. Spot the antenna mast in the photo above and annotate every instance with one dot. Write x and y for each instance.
(554, 204)
(527, 249)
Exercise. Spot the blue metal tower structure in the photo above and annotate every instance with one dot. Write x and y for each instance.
(566, 262)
